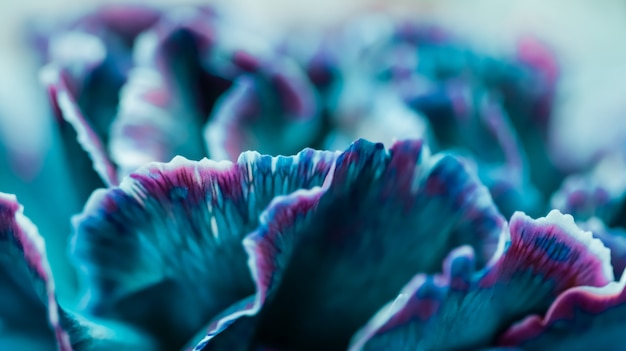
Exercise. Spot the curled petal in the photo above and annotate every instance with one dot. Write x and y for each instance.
(582, 318)
(582, 198)
(465, 309)
(89, 61)
(28, 278)
(613, 238)
(164, 103)
(64, 102)
(164, 250)
(371, 218)
(599, 193)
(273, 112)
(28, 275)
(462, 116)
(269, 248)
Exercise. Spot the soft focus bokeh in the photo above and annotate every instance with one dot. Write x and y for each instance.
(586, 35)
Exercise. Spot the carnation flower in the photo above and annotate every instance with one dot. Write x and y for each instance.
(301, 252)
(198, 233)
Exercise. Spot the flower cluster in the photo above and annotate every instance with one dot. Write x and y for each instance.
(420, 239)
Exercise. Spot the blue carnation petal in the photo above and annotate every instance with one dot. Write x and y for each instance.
(465, 309)
(269, 248)
(164, 250)
(88, 61)
(583, 318)
(93, 143)
(377, 202)
(272, 111)
(33, 315)
(29, 302)
(233, 330)
(613, 238)
(168, 95)
(599, 192)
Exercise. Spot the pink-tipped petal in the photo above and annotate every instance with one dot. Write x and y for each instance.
(164, 250)
(362, 233)
(24, 248)
(30, 282)
(583, 318)
(465, 309)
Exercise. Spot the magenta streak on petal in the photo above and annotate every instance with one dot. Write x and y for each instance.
(295, 93)
(534, 53)
(200, 21)
(183, 223)
(471, 307)
(352, 161)
(128, 20)
(246, 61)
(31, 245)
(402, 168)
(420, 300)
(348, 242)
(423, 311)
(555, 248)
(266, 246)
(497, 124)
(432, 290)
(55, 80)
(152, 104)
(273, 111)
(591, 300)
(225, 134)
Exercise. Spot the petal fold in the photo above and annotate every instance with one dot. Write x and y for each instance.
(27, 276)
(382, 217)
(34, 316)
(273, 111)
(467, 309)
(583, 318)
(169, 92)
(164, 250)
(91, 142)
(88, 62)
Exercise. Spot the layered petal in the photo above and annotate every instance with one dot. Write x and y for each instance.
(598, 193)
(169, 92)
(89, 60)
(613, 238)
(472, 120)
(273, 111)
(583, 318)
(467, 309)
(184, 67)
(164, 250)
(27, 284)
(75, 123)
(32, 317)
(326, 259)
(468, 100)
